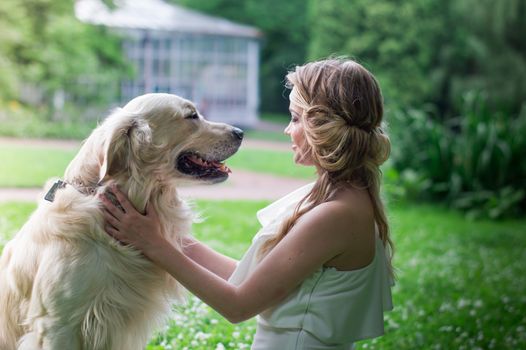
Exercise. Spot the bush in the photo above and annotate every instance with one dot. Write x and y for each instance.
(472, 162)
(17, 120)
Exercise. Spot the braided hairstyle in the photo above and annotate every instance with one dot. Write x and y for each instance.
(342, 122)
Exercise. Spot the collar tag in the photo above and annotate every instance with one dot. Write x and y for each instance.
(50, 195)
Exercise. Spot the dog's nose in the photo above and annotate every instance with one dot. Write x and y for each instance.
(238, 133)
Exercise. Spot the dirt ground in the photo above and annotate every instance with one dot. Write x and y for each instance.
(241, 184)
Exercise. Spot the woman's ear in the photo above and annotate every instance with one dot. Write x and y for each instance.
(126, 134)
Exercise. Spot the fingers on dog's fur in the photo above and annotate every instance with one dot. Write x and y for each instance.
(122, 199)
(111, 219)
(150, 211)
(112, 231)
(110, 207)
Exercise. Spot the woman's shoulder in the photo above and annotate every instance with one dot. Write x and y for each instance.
(348, 220)
(351, 207)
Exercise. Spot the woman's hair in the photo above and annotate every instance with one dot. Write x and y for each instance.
(342, 121)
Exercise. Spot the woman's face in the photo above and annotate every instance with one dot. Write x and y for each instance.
(297, 135)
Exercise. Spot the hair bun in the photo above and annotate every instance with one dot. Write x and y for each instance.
(380, 146)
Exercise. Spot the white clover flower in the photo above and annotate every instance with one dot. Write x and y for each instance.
(202, 336)
(445, 329)
(462, 303)
(446, 306)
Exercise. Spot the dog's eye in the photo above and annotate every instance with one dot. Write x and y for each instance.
(194, 115)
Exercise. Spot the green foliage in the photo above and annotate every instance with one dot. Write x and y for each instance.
(430, 51)
(18, 120)
(496, 51)
(392, 38)
(459, 284)
(44, 49)
(474, 162)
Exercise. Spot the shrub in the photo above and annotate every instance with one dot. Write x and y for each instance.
(472, 162)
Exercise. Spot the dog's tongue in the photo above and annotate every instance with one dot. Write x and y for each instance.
(213, 164)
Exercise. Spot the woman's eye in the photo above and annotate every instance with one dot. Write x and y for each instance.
(193, 116)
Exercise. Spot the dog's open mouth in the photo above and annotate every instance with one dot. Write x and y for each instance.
(196, 166)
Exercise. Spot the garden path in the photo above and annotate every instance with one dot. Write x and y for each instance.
(243, 185)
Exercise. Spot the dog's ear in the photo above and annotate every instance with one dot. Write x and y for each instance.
(127, 134)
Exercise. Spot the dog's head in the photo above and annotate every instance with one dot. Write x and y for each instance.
(164, 136)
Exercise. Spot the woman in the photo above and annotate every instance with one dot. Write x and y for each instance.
(319, 271)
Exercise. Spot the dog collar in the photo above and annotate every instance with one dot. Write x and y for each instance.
(59, 184)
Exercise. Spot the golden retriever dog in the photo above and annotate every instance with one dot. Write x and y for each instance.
(64, 283)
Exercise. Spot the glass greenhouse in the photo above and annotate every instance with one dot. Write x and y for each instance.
(211, 61)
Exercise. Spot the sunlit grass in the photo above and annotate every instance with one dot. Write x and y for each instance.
(460, 284)
(270, 162)
(267, 135)
(31, 166)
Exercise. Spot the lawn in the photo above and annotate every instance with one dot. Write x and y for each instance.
(460, 284)
(31, 166)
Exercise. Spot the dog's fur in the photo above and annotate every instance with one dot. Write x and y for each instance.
(64, 283)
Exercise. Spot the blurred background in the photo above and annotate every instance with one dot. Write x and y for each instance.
(453, 76)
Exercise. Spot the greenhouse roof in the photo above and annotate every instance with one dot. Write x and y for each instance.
(157, 15)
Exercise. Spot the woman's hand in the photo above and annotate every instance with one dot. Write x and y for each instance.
(127, 225)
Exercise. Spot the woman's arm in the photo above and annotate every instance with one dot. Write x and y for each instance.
(304, 249)
(220, 264)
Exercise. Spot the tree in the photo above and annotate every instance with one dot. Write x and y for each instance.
(44, 46)
(430, 51)
(496, 39)
(397, 40)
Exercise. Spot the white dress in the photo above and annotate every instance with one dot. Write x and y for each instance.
(331, 309)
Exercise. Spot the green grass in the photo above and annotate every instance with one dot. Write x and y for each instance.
(276, 118)
(280, 121)
(270, 162)
(31, 166)
(267, 135)
(460, 283)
